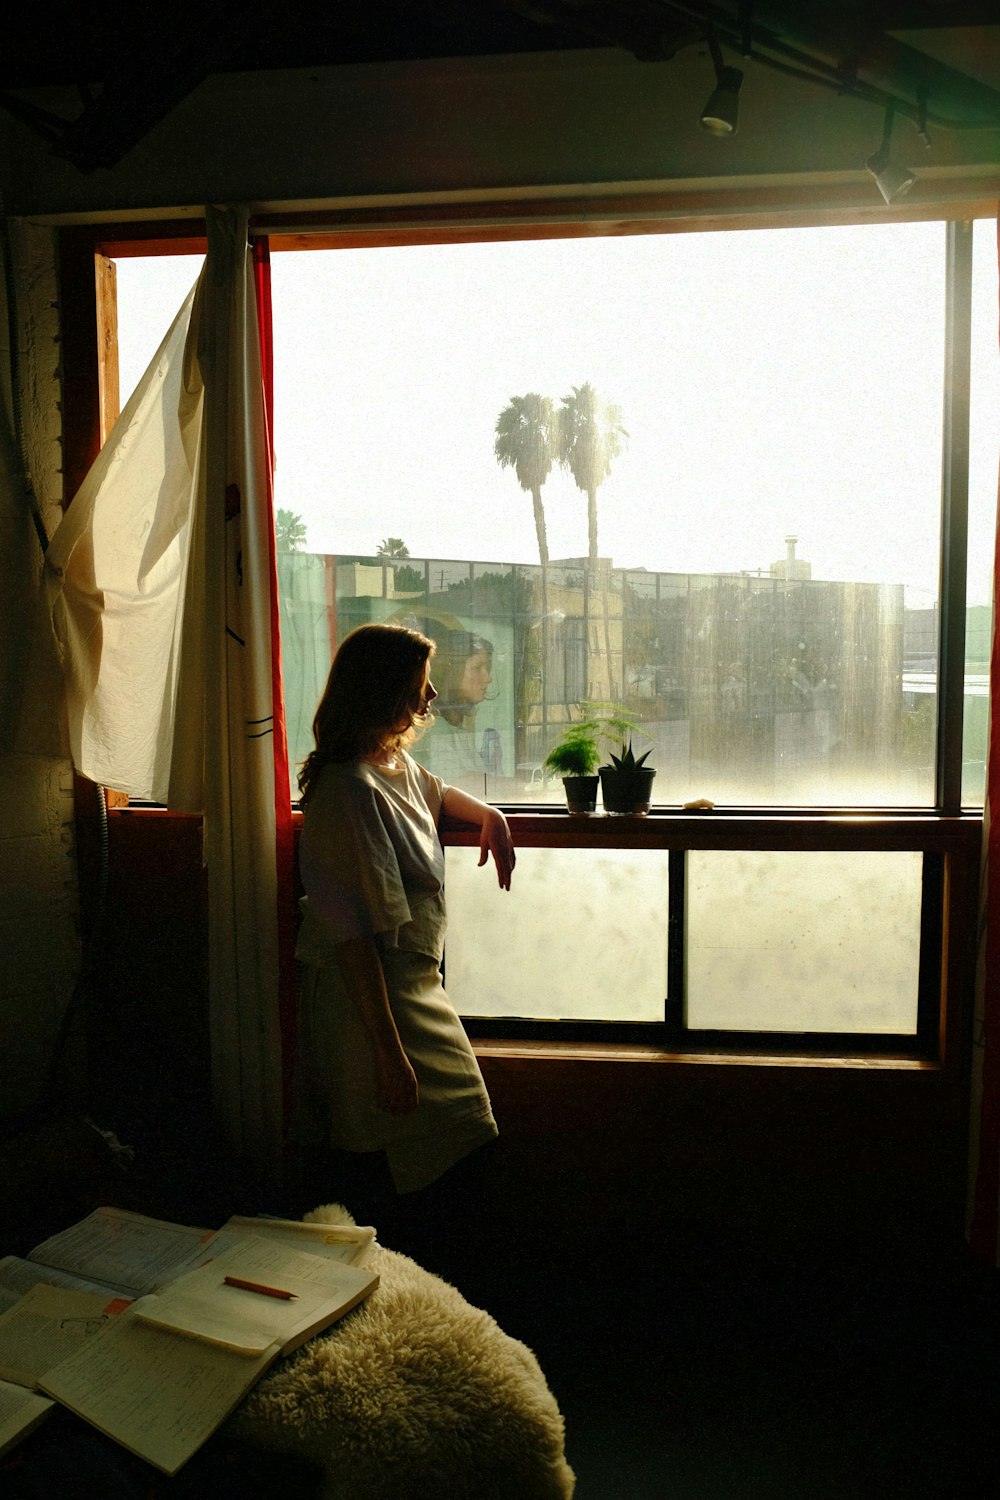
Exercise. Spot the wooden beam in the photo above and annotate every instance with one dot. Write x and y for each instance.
(80, 365)
(107, 343)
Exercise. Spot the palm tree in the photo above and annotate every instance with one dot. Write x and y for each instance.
(289, 531)
(590, 438)
(526, 441)
(393, 547)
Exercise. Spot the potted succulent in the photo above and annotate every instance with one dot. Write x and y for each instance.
(627, 783)
(576, 757)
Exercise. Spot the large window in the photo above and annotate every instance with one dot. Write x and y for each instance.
(698, 476)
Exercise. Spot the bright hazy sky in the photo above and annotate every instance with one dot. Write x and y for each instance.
(771, 382)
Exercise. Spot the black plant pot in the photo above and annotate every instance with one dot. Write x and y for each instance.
(581, 793)
(628, 792)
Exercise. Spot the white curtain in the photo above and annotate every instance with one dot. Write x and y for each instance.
(115, 571)
(161, 582)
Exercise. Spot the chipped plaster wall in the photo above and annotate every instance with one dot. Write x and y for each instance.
(39, 904)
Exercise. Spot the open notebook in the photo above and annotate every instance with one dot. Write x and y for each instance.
(160, 1373)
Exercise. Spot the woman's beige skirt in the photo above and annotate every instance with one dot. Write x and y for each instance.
(336, 1091)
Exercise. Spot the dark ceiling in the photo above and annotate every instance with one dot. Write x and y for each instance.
(130, 65)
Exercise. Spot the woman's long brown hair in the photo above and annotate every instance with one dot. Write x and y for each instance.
(371, 698)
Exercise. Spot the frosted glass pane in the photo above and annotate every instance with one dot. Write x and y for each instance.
(581, 935)
(803, 942)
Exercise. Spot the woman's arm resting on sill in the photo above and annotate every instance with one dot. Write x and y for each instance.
(494, 831)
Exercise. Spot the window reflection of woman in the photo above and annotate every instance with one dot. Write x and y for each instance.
(464, 667)
(463, 675)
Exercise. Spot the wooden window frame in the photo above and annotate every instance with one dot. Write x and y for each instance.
(951, 837)
(953, 842)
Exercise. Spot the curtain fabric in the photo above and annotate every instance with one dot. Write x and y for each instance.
(163, 592)
(114, 577)
(984, 1185)
(227, 682)
(284, 837)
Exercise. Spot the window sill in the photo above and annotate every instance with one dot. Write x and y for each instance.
(624, 1052)
(795, 829)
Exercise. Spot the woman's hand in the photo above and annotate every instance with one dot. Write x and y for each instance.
(494, 832)
(495, 839)
(397, 1089)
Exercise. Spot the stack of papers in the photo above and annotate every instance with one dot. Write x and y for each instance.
(154, 1331)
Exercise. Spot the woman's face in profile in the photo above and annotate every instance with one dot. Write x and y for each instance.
(476, 677)
(426, 691)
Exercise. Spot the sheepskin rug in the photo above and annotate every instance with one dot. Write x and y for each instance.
(415, 1395)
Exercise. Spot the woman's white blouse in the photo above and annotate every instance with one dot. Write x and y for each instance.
(371, 859)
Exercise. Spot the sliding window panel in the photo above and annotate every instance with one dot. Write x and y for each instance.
(749, 570)
(581, 935)
(984, 440)
(825, 942)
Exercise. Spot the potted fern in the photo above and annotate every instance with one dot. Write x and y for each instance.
(576, 757)
(627, 783)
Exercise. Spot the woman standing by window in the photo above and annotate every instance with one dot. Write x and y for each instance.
(385, 1066)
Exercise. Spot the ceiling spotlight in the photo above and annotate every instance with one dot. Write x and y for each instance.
(722, 112)
(892, 180)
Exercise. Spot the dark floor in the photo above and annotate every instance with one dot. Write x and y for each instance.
(692, 1358)
(699, 1365)
(721, 1373)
